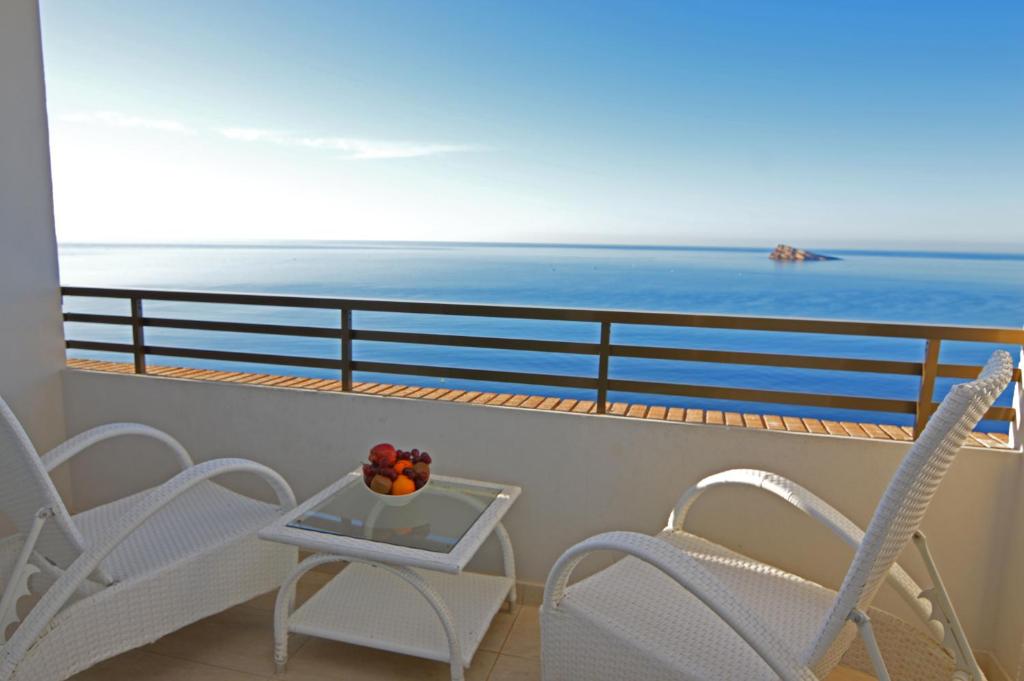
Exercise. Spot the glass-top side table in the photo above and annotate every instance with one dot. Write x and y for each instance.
(405, 589)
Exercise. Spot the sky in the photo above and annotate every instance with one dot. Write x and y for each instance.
(684, 122)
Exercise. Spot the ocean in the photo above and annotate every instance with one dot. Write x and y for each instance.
(899, 286)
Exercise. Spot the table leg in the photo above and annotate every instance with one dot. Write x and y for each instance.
(509, 562)
(440, 608)
(285, 604)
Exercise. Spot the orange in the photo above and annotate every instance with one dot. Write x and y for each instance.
(402, 465)
(403, 485)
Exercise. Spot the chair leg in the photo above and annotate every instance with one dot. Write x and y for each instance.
(863, 623)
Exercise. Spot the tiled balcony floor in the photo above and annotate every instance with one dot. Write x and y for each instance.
(236, 645)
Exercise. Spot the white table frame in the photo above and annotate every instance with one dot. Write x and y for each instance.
(396, 560)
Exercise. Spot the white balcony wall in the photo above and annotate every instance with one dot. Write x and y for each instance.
(580, 475)
(1009, 628)
(31, 337)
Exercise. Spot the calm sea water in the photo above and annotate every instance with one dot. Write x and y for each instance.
(976, 289)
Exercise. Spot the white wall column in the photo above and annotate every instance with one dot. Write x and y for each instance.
(31, 335)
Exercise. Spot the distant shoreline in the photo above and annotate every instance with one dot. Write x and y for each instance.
(435, 245)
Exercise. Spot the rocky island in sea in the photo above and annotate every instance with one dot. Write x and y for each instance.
(789, 253)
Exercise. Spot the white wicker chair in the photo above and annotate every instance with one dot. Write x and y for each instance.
(681, 607)
(126, 573)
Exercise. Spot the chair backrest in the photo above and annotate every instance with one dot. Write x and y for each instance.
(907, 497)
(26, 487)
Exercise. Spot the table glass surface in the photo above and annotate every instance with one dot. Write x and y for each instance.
(435, 520)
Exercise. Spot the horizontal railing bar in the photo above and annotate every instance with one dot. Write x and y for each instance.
(968, 371)
(476, 374)
(528, 345)
(775, 396)
(242, 327)
(251, 357)
(993, 414)
(99, 346)
(84, 318)
(748, 323)
(965, 371)
(765, 359)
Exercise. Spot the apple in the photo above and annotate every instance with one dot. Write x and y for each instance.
(384, 455)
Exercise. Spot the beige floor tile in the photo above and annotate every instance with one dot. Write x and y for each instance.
(241, 639)
(310, 583)
(524, 638)
(495, 637)
(137, 665)
(323, 658)
(511, 668)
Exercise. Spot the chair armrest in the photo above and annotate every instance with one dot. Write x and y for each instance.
(75, 445)
(690, 575)
(813, 506)
(59, 593)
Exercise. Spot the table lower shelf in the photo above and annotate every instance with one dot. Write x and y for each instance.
(369, 606)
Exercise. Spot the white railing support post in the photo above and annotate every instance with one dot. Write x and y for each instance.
(1017, 425)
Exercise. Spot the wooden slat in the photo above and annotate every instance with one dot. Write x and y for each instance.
(733, 419)
(566, 405)
(584, 407)
(637, 410)
(436, 393)
(774, 422)
(895, 432)
(451, 395)
(548, 403)
(516, 400)
(874, 432)
(363, 387)
(814, 426)
(657, 413)
(532, 402)
(853, 429)
(753, 421)
(482, 398)
(695, 416)
(982, 440)
(794, 424)
(468, 396)
(1001, 438)
(421, 392)
(676, 414)
(714, 418)
(834, 428)
(618, 408)
(500, 400)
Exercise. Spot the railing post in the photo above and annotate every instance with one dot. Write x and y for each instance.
(927, 392)
(602, 367)
(138, 336)
(346, 350)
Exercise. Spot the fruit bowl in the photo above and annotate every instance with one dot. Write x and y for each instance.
(396, 500)
(396, 477)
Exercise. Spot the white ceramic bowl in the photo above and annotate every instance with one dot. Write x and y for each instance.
(396, 499)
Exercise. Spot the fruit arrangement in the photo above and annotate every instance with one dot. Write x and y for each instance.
(395, 472)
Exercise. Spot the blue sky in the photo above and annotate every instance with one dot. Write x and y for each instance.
(636, 122)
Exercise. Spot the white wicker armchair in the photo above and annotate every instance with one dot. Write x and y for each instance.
(683, 608)
(126, 573)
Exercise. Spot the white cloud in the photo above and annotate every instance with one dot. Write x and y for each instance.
(254, 135)
(350, 147)
(120, 120)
